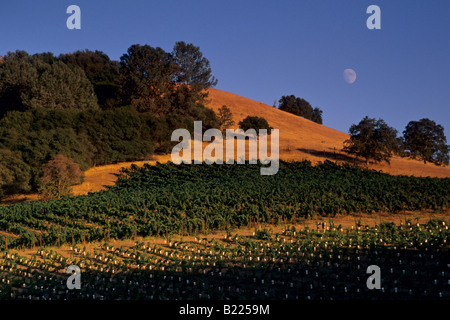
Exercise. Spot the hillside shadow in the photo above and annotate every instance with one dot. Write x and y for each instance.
(8, 202)
(332, 154)
(18, 198)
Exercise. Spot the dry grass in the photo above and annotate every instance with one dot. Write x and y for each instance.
(304, 139)
(96, 178)
(300, 139)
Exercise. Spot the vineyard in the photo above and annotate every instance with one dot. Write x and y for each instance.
(171, 199)
(170, 202)
(295, 264)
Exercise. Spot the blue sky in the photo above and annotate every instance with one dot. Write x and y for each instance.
(265, 49)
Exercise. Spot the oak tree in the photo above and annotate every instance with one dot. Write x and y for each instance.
(372, 139)
(426, 140)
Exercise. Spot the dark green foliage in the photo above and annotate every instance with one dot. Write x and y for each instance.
(426, 139)
(39, 81)
(116, 135)
(300, 107)
(48, 105)
(39, 135)
(186, 105)
(163, 199)
(317, 115)
(17, 76)
(148, 78)
(91, 137)
(101, 72)
(251, 122)
(206, 115)
(59, 87)
(162, 83)
(263, 234)
(14, 173)
(373, 140)
(193, 69)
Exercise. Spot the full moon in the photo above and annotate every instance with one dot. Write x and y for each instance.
(349, 75)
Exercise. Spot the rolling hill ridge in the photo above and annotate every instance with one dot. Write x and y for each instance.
(300, 139)
(304, 139)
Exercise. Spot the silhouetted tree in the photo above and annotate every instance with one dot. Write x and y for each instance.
(148, 78)
(300, 107)
(154, 81)
(317, 115)
(193, 68)
(252, 122)
(373, 140)
(426, 139)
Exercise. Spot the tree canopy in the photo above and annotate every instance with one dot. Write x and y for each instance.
(58, 175)
(148, 78)
(156, 81)
(193, 69)
(300, 107)
(14, 174)
(101, 72)
(168, 86)
(39, 81)
(317, 115)
(253, 122)
(372, 139)
(95, 110)
(426, 139)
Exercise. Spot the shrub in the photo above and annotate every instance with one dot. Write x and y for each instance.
(58, 175)
(256, 123)
(264, 234)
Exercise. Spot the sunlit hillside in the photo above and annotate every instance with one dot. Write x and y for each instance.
(300, 139)
(303, 139)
